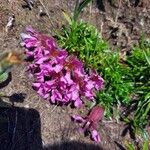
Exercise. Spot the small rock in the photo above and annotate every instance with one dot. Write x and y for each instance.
(10, 23)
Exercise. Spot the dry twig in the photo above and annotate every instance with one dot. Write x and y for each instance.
(46, 12)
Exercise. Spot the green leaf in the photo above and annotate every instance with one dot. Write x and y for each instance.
(79, 7)
(146, 145)
(147, 56)
(130, 146)
(68, 18)
(3, 77)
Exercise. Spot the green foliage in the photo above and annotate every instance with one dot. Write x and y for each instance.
(125, 81)
(79, 7)
(85, 41)
(139, 65)
(3, 76)
(81, 39)
(145, 145)
(131, 146)
(118, 87)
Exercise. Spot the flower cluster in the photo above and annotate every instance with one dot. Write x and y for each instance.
(59, 77)
(90, 122)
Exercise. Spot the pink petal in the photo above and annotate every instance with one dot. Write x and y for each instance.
(39, 77)
(59, 96)
(75, 95)
(36, 85)
(41, 60)
(89, 95)
(74, 92)
(62, 85)
(62, 54)
(51, 43)
(98, 80)
(46, 52)
(30, 29)
(79, 72)
(32, 43)
(58, 68)
(46, 96)
(78, 103)
(53, 99)
(68, 96)
(25, 36)
(95, 136)
(41, 91)
(67, 78)
(50, 83)
(29, 53)
(78, 118)
(56, 95)
(90, 85)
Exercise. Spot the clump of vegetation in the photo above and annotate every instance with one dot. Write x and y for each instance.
(131, 146)
(139, 64)
(85, 41)
(127, 83)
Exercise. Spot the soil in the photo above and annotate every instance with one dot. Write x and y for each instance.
(31, 123)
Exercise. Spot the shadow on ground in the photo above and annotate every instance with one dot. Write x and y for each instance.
(72, 145)
(20, 129)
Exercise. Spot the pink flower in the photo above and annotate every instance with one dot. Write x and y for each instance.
(90, 122)
(73, 64)
(58, 77)
(33, 39)
(42, 89)
(98, 81)
(56, 96)
(67, 78)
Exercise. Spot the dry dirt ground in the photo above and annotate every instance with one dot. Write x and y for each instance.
(33, 122)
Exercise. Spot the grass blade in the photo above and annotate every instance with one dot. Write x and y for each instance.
(79, 7)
